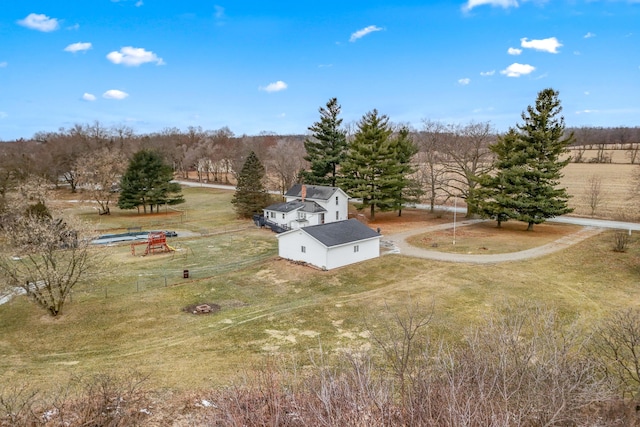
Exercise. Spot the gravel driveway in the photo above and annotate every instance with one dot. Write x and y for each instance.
(397, 243)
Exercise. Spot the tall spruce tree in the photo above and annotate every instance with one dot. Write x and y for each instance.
(370, 172)
(147, 182)
(407, 189)
(495, 195)
(528, 166)
(251, 197)
(326, 148)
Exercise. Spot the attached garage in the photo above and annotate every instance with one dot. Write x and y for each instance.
(332, 245)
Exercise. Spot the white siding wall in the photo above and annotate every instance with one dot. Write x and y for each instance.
(341, 207)
(290, 247)
(289, 217)
(344, 255)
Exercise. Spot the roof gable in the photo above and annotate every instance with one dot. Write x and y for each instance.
(318, 192)
(340, 233)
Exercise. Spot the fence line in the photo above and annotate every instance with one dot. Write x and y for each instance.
(169, 277)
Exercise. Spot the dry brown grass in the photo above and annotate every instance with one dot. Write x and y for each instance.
(486, 238)
(618, 189)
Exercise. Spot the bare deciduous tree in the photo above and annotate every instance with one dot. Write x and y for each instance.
(431, 173)
(593, 194)
(98, 172)
(617, 343)
(286, 159)
(467, 157)
(46, 257)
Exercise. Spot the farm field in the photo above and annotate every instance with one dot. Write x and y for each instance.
(618, 186)
(133, 318)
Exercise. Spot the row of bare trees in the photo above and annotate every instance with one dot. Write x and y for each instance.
(603, 141)
(92, 156)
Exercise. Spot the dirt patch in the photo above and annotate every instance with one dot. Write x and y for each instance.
(202, 308)
(390, 222)
(486, 238)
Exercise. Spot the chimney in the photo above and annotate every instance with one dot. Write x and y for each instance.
(304, 192)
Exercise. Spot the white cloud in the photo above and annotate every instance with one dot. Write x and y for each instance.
(219, 11)
(89, 97)
(487, 73)
(550, 44)
(501, 3)
(517, 70)
(274, 87)
(4, 64)
(514, 51)
(115, 94)
(134, 56)
(586, 111)
(40, 22)
(363, 32)
(139, 3)
(589, 35)
(78, 47)
(586, 92)
(3, 115)
(464, 81)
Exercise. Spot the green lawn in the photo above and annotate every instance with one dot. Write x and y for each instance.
(133, 318)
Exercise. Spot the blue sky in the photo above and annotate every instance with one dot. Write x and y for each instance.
(268, 66)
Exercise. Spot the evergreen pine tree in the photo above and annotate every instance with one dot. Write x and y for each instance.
(529, 165)
(251, 196)
(495, 192)
(370, 171)
(407, 189)
(147, 182)
(326, 148)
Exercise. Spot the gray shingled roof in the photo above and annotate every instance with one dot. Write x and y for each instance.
(340, 233)
(311, 207)
(285, 206)
(319, 192)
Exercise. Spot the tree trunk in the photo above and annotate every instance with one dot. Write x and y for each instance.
(373, 212)
(530, 227)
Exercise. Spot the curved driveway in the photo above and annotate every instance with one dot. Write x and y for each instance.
(398, 244)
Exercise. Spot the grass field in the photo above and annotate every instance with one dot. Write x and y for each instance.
(132, 317)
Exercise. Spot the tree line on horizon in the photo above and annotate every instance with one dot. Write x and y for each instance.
(397, 165)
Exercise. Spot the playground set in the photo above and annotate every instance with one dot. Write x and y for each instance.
(156, 243)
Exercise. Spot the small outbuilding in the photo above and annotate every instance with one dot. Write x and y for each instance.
(331, 245)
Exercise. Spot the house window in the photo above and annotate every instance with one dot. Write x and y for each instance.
(321, 218)
(303, 249)
(282, 216)
(302, 215)
(356, 248)
(336, 200)
(272, 214)
(337, 215)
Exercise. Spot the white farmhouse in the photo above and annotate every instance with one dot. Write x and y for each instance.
(330, 245)
(307, 205)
